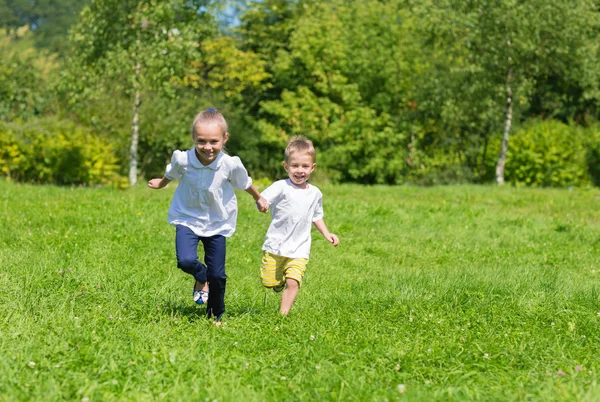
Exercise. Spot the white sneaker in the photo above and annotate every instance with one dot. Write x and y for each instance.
(200, 296)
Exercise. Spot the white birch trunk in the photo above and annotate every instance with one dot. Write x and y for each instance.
(505, 135)
(135, 135)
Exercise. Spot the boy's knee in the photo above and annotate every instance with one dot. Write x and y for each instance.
(292, 283)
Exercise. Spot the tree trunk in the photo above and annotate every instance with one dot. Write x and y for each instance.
(133, 150)
(507, 124)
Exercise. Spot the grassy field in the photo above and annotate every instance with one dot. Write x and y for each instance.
(445, 293)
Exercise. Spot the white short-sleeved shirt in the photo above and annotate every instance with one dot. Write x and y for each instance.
(293, 210)
(205, 200)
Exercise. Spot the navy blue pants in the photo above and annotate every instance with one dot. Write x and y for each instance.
(213, 269)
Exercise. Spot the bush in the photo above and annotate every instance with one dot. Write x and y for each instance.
(437, 167)
(548, 153)
(592, 155)
(50, 151)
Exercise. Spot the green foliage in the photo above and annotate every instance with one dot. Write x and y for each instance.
(480, 50)
(48, 151)
(26, 76)
(266, 26)
(437, 167)
(225, 67)
(548, 153)
(136, 48)
(48, 20)
(593, 153)
(389, 91)
(112, 37)
(109, 114)
(331, 77)
(360, 80)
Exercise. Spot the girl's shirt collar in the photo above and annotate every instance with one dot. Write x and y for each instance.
(195, 162)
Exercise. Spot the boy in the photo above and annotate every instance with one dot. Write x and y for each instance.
(295, 204)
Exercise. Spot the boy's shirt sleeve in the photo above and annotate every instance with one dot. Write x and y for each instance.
(318, 215)
(174, 171)
(238, 175)
(272, 193)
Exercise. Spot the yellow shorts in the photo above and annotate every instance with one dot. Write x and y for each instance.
(275, 269)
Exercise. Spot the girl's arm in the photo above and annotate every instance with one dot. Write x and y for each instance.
(321, 227)
(158, 183)
(173, 170)
(239, 179)
(261, 202)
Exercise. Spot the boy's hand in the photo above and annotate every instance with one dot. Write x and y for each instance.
(262, 204)
(333, 239)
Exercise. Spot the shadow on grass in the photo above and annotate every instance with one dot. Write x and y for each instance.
(191, 311)
(244, 311)
(195, 313)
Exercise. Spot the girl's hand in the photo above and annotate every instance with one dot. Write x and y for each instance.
(262, 204)
(157, 183)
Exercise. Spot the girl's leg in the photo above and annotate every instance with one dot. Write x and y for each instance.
(289, 295)
(214, 257)
(186, 248)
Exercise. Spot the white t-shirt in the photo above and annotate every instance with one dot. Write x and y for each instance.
(204, 200)
(293, 210)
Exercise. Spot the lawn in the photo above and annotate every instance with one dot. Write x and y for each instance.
(442, 293)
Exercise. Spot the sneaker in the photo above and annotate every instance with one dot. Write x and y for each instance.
(200, 296)
(279, 288)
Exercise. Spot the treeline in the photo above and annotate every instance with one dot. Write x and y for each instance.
(396, 91)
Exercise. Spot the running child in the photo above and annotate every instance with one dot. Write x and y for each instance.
(204, 207)
(295, 205)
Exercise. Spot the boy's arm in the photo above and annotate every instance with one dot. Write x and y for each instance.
(158, 183)
(321, 227)
(261, 202)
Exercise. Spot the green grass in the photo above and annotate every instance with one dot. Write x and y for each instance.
(458, 293)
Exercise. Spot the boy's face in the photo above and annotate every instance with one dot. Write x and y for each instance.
(299, 167)
(209, 141)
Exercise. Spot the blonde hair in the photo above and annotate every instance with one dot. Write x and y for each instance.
(209, 116)
(299, 143)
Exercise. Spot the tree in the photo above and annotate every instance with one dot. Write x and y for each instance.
(339, 74)
(507, 47)
(132, 47)
(48, 20)
(25, 76)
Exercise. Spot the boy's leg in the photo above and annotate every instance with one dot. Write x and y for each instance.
(289, 295)
(214, 257)
(186, 248)
(294, 272)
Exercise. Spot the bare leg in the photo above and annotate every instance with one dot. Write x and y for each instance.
(289, 295)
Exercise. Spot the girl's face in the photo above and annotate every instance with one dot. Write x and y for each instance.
(210, 140)
(299, 167)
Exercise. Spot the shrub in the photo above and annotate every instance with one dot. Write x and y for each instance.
(50, 151)
(592, 155)
(548, 153)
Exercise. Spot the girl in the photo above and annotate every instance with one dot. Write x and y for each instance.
(204, 207)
